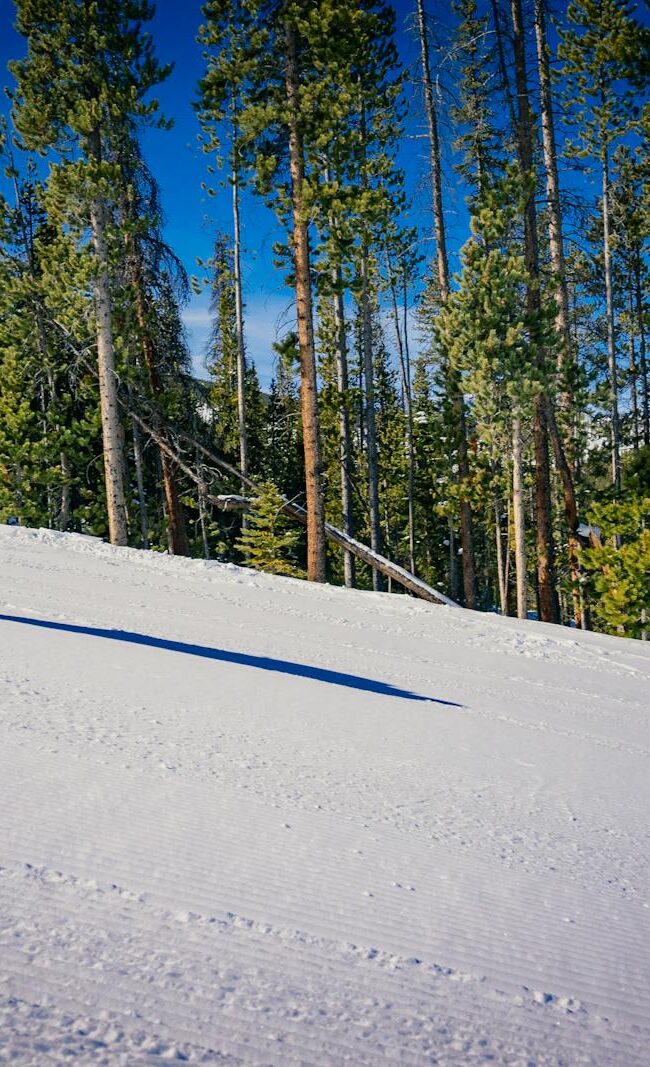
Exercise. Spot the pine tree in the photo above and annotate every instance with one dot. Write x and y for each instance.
(270, 541)
(618, 570)
(492, 336)
(606, 54)
(87, 70)
(442, 265)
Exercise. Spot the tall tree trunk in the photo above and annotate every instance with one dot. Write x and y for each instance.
(558, 264)
(113, 441)
(442, 263)
(239, 316)
(501, 573)
(345, 436)
(555, 234)
(139, 474)
(410, 443)
(643, 357)
(367, 360)
(611, 325)
(519, 518)
(202, 509)
(177, 534)
(405, 375)
(548, 600)
(634, 371)
(304, 309)
(370, 422)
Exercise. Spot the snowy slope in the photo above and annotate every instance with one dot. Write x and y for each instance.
(244, 820)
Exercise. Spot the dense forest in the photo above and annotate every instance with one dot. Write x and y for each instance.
(481, 420)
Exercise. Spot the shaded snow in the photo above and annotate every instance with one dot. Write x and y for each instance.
(244, 820)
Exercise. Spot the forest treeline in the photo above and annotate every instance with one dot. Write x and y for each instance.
(483, 421)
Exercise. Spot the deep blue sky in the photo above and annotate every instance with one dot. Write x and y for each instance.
(192, 217)
(180, 166)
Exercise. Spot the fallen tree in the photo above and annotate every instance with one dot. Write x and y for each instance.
(235, 502)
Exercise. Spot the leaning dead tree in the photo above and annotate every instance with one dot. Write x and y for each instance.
(229, 502)
(233, 502)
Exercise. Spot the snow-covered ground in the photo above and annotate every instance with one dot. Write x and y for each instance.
(244, 820)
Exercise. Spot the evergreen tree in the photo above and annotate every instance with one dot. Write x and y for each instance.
(87, 70)
(270, 540)
(606, 54)
(492, 336)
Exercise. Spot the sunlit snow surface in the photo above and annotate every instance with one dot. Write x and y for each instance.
(244, 820)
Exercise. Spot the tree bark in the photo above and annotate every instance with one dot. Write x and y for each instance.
(113, 442)
(643, 358)
(611, 325)
(555, 233)
(239, 314)
(370, 423)
(634, 372)
(392, 570)
(174, 509)
(519, 519)
(501, 574)
(405, 375)
(442, 263)
(304, 309)
(548, 600)
(345, 436)
(139, 474)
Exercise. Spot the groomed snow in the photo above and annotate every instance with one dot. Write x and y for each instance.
(244, 820)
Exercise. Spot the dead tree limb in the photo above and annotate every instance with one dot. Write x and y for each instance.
(233, 502)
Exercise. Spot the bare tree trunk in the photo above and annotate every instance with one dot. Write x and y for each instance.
(634, 372)
(65, 514)
(392, 570)
(558, 264)
(503, 585)
(466, 519)
(345, 437)
(177, 534)
(139, 474)
(570, 510)
(643, 358)
(611, 325)
(113, 442)
(548, 600)
(304, 308)
(370, 424)
(239, 316)
(519, 518)
(178, 543)
(442, 262)
(555, 234)
(202, 515)
(410, 443)
(405, 375)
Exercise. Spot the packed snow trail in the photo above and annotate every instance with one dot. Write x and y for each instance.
(244, 820)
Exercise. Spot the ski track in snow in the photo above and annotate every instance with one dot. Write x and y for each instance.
(210, 862)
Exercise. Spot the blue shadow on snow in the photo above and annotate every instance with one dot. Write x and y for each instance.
(243, 659)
